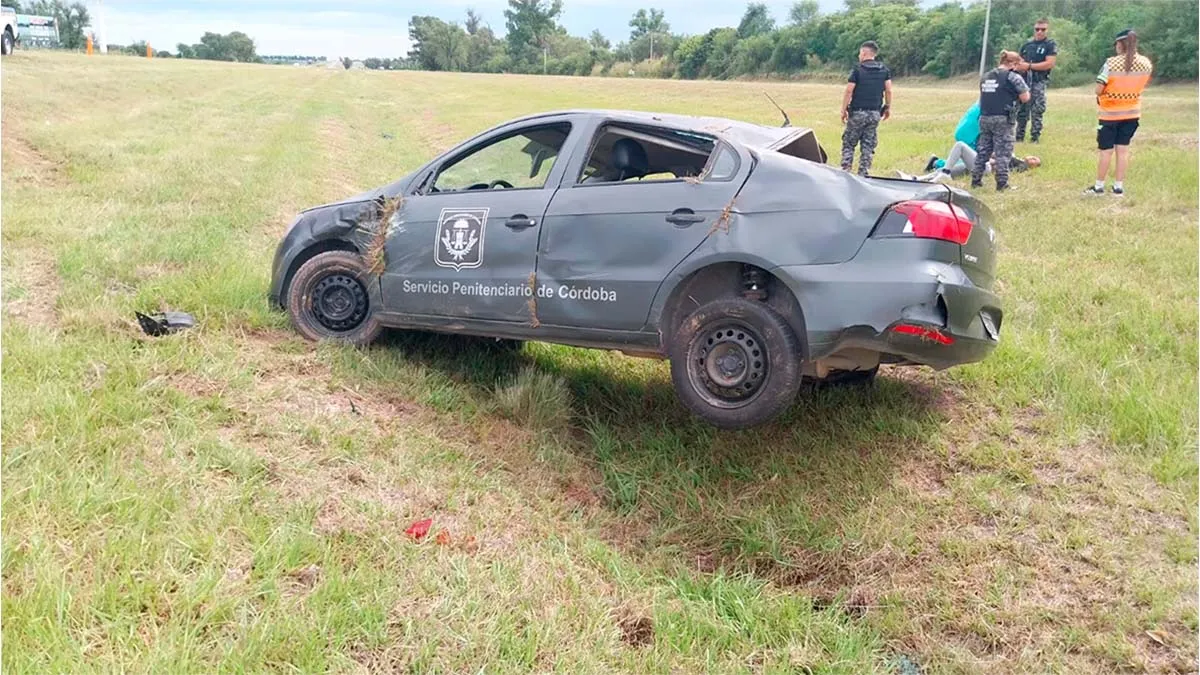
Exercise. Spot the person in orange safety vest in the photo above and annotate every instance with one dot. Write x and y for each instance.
(1119, 97)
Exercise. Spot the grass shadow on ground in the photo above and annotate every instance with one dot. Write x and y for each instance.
(782, 501)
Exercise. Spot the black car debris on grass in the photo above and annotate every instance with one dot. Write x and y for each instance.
(729, 248)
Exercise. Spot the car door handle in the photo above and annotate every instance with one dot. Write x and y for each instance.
(519, 222)
(684, 217)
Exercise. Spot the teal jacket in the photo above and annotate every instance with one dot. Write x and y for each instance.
(968, 127)
(967, 130)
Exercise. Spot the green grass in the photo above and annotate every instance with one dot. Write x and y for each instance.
(236, 498)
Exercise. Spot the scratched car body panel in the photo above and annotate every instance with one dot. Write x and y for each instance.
(729, 248)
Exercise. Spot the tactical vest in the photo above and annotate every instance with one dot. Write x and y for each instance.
(997, 95)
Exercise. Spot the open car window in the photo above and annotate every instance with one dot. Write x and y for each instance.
(520, 160)
(630, 153)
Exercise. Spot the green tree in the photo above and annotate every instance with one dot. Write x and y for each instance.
(438, 45)
(239, 47)
(691, 55)
(647, 22)
(598, 42)
(473, 22)
(789, 54)
(751, 55)
(756, 21)
(803, 12)
(720, 56)
(483, 47)
(529, 24)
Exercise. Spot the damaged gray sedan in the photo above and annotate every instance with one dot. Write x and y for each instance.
(729, 248)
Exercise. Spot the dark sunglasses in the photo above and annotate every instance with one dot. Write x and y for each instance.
(1040, 30)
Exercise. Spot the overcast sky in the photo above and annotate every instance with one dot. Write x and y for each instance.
(362, 28)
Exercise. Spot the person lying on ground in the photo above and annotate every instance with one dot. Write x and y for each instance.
(962, 158)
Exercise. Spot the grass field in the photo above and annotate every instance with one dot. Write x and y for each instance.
(235, 498)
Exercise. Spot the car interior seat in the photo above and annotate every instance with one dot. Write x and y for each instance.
(627, 160)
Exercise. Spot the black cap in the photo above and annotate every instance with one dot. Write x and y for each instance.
(1123, 34)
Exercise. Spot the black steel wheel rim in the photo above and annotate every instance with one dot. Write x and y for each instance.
(728, 365)
(339, 302)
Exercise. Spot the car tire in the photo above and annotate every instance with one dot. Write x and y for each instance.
(7, 43)
(735, 363)
(329, 298)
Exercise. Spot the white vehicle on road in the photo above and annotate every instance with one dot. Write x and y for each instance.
(8, 40)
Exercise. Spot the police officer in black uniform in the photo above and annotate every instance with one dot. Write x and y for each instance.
(1000, 91)
(1037, 60)
(870, 83)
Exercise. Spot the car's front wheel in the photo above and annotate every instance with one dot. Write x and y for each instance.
(7, 43)
(328, 299)
(736, 363)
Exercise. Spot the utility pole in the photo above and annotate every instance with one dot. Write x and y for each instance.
(651, 45)
(987, 19)
(101, 30)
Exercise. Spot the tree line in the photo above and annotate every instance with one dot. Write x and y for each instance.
(941, 41)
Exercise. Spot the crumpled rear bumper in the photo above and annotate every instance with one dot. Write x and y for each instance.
(910, 311)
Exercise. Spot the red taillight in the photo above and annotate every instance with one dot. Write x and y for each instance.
(923, 332)
(934, 220)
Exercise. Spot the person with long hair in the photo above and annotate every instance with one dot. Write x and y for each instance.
(1119, 98)
(1000, 91)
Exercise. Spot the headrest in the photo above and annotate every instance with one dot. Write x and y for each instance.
(629, 158)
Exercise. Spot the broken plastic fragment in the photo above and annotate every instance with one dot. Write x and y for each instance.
(419, 529)
(162, 323)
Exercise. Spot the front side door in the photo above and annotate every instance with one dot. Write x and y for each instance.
(607, 246)
(465, 244)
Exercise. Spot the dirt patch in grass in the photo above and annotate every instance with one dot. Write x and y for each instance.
(34, 271)
(637, 630)
(26, 165)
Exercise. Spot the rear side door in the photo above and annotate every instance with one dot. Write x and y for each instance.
(605, 248)
(465, 244)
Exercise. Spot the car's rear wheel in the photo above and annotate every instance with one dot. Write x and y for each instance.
(736, 363)
(329, 299)
(7, 43)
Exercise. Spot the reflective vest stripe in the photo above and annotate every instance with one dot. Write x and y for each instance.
(1116, 116)
(1122, 95)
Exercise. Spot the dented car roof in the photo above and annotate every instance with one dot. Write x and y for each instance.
(796, 141)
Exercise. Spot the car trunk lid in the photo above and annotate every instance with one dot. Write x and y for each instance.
(977, 256)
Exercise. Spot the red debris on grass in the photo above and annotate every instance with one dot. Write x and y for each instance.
(419, 529)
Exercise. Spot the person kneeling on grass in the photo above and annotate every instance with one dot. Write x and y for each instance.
(1119, 96)
(966, 134)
